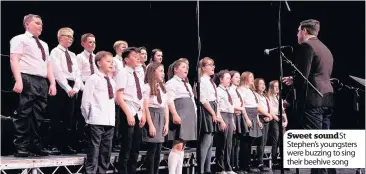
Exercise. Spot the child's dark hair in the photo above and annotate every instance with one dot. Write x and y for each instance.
(128, 51)
(220, 75)
(153, 52)
(100, 55)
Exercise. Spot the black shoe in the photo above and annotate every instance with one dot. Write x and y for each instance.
(54, 151)
(263, 168)
(68, 150)
(21, 152)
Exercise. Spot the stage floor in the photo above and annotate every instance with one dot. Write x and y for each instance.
(71, 164)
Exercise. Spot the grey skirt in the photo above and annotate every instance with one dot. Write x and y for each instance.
(187, 130)
(158, 119)
(241, 126)
(254, 131)
(206, 124)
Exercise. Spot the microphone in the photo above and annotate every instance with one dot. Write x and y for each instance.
(267, 51)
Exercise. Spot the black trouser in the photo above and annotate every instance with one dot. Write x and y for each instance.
(318, 118)
(235, 151)
(117, 136)
(224, 145)
(80, 121)
(32, 108)
(131, 137)
(99, 139)
(153, 157)
(275, 132)
(262, 142)
(245, 151)
(63, 119)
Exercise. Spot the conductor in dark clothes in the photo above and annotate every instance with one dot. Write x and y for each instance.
(315, 61)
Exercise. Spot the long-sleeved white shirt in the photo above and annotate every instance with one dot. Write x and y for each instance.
(60, 69)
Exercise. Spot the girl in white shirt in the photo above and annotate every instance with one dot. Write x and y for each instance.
(273, 96)
(225, 136)
(265, 117)
(157, 115)
(183, 124)
(208, 113)
(245, 89)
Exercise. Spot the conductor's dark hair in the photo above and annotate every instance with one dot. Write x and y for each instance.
(311, 25)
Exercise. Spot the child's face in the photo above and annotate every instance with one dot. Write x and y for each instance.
(66, 39)
(225, 80)
(159, 74)
(158, 57)
(133, 59)
(89, 44)
(182, 70)
(106, 64)
(261, 86)
(236, 79)
(209, 68)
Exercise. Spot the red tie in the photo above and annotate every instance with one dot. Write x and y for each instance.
(158, 95)
(40, 47)
(69, 62)
(185, 84)
(91, 64)
(137, 81)
(213, 84)
(241, 100)
(256, 100)
(228, 95)
(110, 90)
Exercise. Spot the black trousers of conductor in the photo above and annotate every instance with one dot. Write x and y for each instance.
(224, 144)
(131, 137)
(318, 118)
(63, 123)
(32, 108)
(153, 157)
(99, 140)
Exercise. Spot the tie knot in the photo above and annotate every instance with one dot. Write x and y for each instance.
(35, 37)
(107, 78)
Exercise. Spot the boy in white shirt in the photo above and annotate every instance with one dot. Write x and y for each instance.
(68, 84)
(98, 107)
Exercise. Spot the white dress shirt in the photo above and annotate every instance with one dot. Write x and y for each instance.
(207, 90)
(61, 71)
(84, 65)
(223, 100)
(117, 65)
(96, 106)
(176, 89)
(248, 96)
(31, 61)
(262, 101)
(235, 97)
(273, 102)
(140, 72)
(125, 80)
(153, 100)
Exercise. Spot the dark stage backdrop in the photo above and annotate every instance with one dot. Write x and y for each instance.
(234, 34)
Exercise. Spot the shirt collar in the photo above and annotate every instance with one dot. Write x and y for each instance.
(205, 76)
(129, 69)
(27, 33)
(61, 47)
(87, 53)
(119, 57)
(222, 87)
(178, 78)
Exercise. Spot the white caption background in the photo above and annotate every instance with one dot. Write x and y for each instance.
(323, 149)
